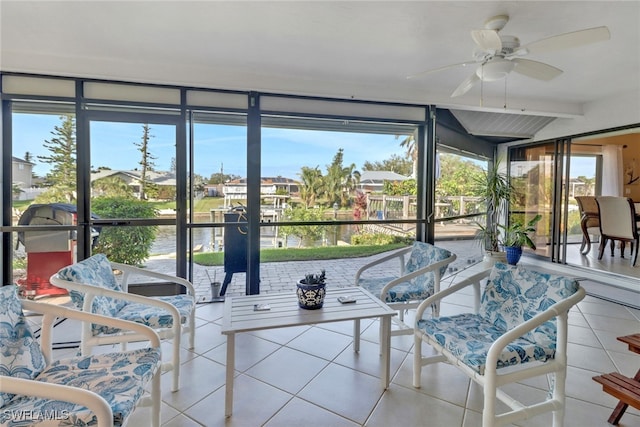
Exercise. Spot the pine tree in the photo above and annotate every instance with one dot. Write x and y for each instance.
(62, 157)
(146, 160)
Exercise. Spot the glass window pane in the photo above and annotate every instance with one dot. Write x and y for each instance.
(458, 207)
(134, 160)
(533, 176)
(315, 172)
(133, 176)
(43, 174)
(219, 162)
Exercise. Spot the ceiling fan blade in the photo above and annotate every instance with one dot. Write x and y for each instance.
(487, 40)
(466, 85)
(569, 40)
(535, 69)
(446, 67)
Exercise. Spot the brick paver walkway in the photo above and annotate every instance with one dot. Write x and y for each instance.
(282, 276)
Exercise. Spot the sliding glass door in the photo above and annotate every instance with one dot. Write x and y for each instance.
(536, 173)
(133, 187)
(217, 173)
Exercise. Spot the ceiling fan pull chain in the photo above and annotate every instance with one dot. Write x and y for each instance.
(482, 85)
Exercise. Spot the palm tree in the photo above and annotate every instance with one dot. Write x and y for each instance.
(312, 185)
(111, 186)
(409, 143)
(351, 181)
(340, 180)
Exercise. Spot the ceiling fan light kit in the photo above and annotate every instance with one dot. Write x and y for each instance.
(495, 69)
(499, 54)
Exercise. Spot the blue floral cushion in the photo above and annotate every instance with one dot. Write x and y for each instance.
(120, 378)
(401, 292)
(469, 336)
(515, 294)
(20, 354)
(97, 271)
(418, 288)
(155, 317)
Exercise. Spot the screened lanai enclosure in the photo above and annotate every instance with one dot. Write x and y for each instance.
(214, 185)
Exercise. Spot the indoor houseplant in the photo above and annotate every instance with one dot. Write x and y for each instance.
(311, 291)
(496, 192)
(516, 235)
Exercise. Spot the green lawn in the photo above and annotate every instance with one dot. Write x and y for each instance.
(203, 205)
(302, 254)
(21, 205)
(207, 203)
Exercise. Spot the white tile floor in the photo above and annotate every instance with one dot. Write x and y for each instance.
(310, 376)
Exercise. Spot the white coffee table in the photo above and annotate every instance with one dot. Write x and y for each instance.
(239, 316)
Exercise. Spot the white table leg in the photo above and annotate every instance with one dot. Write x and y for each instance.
(385, 344)
(231, 358)
(356, 335)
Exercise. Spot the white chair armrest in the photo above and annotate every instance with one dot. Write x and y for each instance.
(89, 399)
(419, 272)
(555, 310)
(397, 254)
(129, 270)
(50, 312)
(473, 280)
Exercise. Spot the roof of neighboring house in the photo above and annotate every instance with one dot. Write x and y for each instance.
(19, 160)
(375, 177)
(160, 178)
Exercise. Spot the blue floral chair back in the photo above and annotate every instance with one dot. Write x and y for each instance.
(422, 255)
(21, 356)
(514, 295)
(96, 270)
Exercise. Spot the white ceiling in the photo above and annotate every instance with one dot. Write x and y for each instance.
(345, 49)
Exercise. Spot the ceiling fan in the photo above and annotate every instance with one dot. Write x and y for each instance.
(497, 55)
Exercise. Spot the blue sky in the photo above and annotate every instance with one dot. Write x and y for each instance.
(284, 151)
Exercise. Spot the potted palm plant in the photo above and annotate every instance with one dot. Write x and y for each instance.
(516, 235)
(496, 192)
(311, 291)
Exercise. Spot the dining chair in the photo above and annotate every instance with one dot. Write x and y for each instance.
(589, 221)
(618, 221)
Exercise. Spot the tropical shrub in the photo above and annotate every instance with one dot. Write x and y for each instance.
(378, 239)
(127, 245)
(306, 233)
